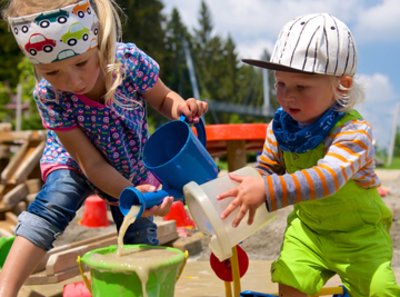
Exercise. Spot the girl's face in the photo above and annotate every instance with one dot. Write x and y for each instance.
(80, 75)
(304, 97)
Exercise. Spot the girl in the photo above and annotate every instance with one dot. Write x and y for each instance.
(318, 155)
(92, 97)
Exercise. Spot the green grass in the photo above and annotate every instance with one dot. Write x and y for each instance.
(395, 164)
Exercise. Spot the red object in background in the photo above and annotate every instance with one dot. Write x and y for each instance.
(383, 191)
(77, 289)
(178, 213)
(95, 212)
(224, 269)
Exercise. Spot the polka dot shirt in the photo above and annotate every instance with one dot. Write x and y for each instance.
(118, 130)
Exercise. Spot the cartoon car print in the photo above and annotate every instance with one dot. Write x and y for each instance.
(95, 28)
(80, 9)
(44, 19)
(24, 28)
(75, 32)
(65, 54)
(38, 42)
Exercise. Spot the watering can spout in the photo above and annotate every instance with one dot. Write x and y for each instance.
(131, 196)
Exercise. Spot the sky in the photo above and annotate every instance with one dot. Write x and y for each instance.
(255, 24)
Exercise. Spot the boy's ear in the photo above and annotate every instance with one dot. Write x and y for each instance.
(345, 83)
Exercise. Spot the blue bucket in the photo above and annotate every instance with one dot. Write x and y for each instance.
(176, 156)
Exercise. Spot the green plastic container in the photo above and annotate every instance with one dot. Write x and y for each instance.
(108, 279)
(5, 246)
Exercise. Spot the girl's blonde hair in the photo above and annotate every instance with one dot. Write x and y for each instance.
(109, 33)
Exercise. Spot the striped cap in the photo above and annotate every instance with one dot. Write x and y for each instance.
(314, 43)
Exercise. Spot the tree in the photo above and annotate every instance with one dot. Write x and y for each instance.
(10, 55)
(142, 25)
(175, 66)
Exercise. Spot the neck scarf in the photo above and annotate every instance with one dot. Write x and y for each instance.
(293, 138)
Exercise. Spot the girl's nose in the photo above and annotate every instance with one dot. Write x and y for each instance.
(74, 82)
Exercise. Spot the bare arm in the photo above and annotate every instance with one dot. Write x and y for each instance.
(100, 172)
(172, 105)
(92, 163)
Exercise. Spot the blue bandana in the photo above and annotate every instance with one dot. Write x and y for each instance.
(293, 138)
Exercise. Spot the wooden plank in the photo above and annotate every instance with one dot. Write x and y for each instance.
(15, 195)
(41, 278)
(166, 231)
(14, 136)
(237, 156)
(30, 159)
(7, 228)
(28, 292)
(11, 218)
(34, 185)
(65, 260)
(192, 243)
(42, 265)
(5, 127)
(12, 166)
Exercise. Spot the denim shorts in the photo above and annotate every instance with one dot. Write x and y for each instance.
(56, 205)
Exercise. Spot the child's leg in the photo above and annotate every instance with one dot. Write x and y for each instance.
(367, 270)
(46, 218)
(22, 259)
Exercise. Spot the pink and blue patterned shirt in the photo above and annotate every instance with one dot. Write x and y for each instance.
(118, 130)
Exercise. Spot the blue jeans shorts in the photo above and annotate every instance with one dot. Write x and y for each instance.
(56, 205)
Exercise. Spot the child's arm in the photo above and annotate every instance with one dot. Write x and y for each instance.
(97, 170)
(172, 105)
(349, 155)
(270, 161)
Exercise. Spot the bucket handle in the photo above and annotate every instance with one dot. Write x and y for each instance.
(200, 128)
(186, 255)
(84, 277)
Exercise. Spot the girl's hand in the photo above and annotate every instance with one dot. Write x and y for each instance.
(193, 109)
(248, 196)
(160, 210)
(157, 210)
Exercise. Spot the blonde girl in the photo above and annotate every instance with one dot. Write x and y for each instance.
(92, 95)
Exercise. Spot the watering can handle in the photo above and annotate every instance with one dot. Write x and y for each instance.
(200, 128)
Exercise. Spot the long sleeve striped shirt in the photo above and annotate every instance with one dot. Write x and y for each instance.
(349, 154)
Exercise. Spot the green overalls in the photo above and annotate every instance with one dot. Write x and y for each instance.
(346, 233)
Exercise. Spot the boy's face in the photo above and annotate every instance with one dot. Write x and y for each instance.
(304, 97)
(79, 75)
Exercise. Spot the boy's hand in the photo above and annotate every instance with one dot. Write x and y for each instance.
(248, 196)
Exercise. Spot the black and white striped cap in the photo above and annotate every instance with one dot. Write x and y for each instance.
(314, 43)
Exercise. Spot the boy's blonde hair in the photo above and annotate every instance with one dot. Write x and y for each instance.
(109, 32)
(347, 97)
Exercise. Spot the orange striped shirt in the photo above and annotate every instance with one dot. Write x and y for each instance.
(349, 155)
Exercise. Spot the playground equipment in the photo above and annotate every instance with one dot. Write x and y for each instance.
(175, 156)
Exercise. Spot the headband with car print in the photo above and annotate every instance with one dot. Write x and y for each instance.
(58, 34)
